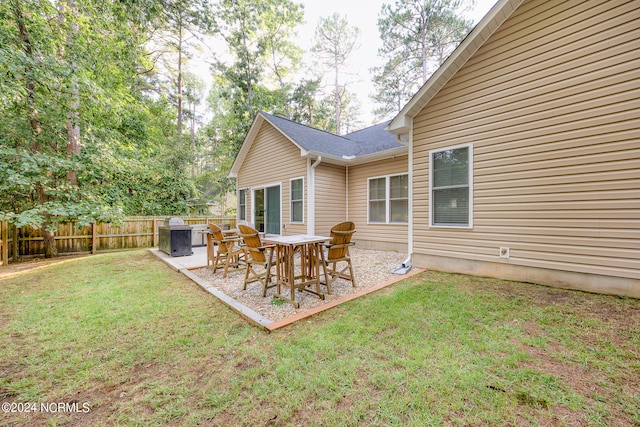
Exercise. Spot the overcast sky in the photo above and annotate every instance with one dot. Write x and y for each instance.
(364, 15)
(359, 13)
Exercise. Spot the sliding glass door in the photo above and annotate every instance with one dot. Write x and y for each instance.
(266, 209)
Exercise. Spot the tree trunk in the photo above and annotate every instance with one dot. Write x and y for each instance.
(34, 120)
(193, 137)
(50, 248)
(283, 91)
(337, 98)
(245, 44)
(48, 239)
(49, 242)
(423, 54)
(73, 121)
(180, 79)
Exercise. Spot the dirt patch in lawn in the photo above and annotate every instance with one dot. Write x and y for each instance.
(23, 266)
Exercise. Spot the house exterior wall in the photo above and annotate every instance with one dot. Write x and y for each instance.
(551, 106)
(331, 197)
(273, 159)
(370, 235)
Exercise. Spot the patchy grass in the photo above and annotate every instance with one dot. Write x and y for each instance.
(142, 345)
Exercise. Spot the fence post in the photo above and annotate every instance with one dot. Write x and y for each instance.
(16, 255)
(153, 233)
(4, 232)
(94, 238)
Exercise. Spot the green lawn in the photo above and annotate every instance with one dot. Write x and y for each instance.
(137, 343)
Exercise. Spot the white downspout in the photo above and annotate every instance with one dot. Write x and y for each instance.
(410, 170)
(311, 195)
(347, 192)
(406, 264)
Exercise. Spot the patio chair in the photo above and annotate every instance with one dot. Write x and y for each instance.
(228, 253)
(211, 244)
(337, 262)
(251, 225)
(247, 223)
(257, 255)
(211, 249)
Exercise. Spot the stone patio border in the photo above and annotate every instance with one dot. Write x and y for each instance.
(256, 318)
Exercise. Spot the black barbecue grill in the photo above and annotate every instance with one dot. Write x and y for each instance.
(174, 237)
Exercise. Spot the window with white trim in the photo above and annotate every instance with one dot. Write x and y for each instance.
(242, 204)
(450, 172)
(389, 199)
(297, 200)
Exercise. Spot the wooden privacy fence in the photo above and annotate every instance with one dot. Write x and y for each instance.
(133, 232)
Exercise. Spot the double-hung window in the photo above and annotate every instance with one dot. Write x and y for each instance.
(450, 201)
(389, 199)
(297, 200)
(242, 204)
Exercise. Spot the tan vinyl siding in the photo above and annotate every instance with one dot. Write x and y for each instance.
(551, 104)
(272, 159)
(330, 197)
(295, 228)
(375, 235)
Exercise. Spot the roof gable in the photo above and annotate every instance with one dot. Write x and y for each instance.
(371, 143)
(312, 139)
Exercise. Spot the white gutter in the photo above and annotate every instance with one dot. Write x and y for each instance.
(311, 195)
(399, 140)
(353, 160)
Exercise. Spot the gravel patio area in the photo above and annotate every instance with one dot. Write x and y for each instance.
(370, 268)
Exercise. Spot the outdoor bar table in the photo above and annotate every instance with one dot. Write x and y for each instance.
(311, 258)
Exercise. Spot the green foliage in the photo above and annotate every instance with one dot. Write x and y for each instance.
(257, 77)
(175, 38)
(114, 72)
(142, 172)
(417, 36)
(57, 63)
(22, 173)
(39, 66)
(335, 40)
(259, 36)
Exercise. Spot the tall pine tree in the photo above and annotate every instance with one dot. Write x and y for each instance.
(417, 36)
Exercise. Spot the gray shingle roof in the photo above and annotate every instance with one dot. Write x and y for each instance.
(371, 140)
